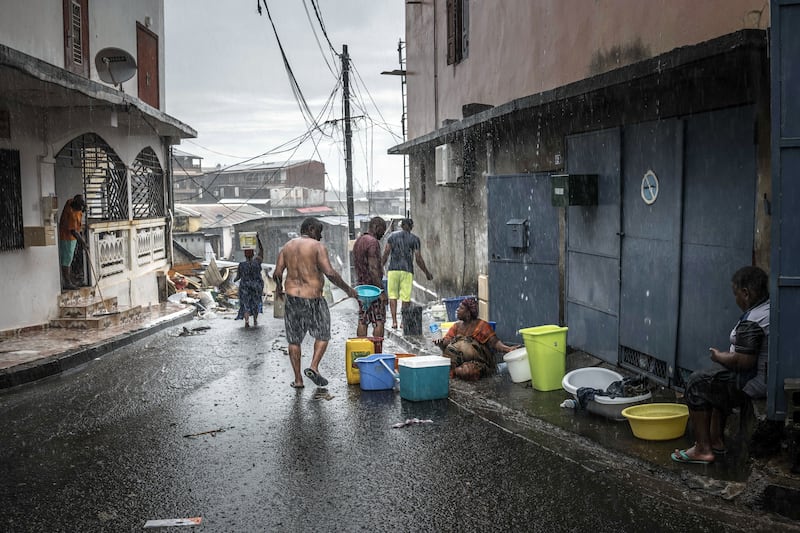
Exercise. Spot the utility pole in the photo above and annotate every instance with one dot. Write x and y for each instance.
(348, 141)
(402, 73)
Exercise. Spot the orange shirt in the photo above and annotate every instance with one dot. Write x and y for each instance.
(70, 220)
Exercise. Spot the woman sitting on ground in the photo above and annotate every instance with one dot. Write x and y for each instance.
(471, 344)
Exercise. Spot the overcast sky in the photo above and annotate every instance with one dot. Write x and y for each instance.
(226, 79)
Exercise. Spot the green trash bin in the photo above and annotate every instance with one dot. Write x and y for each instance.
(547, 353)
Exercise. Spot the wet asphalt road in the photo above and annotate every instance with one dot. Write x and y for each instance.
(105, 448)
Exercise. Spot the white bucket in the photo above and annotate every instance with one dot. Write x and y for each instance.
(518, 367)
(438, 313)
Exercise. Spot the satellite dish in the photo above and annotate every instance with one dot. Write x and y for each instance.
(114, 65)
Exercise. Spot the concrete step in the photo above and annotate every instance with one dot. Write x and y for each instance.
(88, 309)
(101, 320)
(76, 296)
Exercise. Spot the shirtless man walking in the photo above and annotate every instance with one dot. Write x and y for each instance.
(305, 260)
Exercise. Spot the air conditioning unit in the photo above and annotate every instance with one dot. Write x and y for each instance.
(448, 165)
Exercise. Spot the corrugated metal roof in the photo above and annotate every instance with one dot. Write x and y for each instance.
(220, 215)
(181, 153)
(263, 165)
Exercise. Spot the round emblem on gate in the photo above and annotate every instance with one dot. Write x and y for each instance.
(649, 187)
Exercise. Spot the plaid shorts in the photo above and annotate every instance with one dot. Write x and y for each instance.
(303, 315)
(374, 313)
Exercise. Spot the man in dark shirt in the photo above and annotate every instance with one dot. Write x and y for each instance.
(369, 271)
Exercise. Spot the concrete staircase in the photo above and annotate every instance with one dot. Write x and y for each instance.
(83, 309)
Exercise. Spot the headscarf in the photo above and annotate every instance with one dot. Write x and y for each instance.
(471, 305)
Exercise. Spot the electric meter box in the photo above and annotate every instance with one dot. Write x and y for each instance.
(574, 189)
(517, 232)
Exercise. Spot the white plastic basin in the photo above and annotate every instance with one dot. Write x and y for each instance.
(601, 378)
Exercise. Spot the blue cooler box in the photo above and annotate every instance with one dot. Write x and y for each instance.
(425, 377)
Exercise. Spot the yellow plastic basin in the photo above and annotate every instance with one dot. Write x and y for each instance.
(657, 421)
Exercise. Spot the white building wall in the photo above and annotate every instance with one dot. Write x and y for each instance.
(30, 277)
(31, 280)
(34, 27)
(113, 24)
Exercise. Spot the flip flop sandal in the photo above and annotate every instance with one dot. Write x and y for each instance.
(682, 457)
(316, 377)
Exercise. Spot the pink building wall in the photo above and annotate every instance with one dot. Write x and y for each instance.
(523, 47)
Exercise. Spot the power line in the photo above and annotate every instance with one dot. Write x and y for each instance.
(308, 116)
(333, 70)
(322, 25)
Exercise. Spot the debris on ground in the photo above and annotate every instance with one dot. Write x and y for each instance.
(411, 421)
(212, 432)
(168, 522)
(186, 332)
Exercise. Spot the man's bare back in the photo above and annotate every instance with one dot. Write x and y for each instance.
(306, 262)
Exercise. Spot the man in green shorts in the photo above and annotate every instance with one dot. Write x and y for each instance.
(402, 248)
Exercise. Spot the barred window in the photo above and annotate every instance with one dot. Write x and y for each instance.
(76, 36)
(147, 186)
(105, 186)
(11, 234)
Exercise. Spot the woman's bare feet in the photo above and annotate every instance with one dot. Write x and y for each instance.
(692, 455)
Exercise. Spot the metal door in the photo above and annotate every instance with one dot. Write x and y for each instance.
(785, 258)
(523, 253)
(650, 256)
(718, 225)
(592, 247)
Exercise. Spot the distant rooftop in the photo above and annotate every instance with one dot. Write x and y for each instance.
(264, 165)
(180, 153)
(220, 215)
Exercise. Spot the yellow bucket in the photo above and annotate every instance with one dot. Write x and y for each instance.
(354, 349)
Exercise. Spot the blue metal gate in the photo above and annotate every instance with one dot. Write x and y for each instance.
(523, 253)
(652, 194)
(592, 247)
(785, 258)
(687, 197)
(719, 194)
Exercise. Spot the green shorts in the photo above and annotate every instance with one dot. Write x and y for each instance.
(398, 285)
(66, 251)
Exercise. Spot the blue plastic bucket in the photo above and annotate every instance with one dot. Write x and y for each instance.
(367, 294)
(451, 304)
(377, 371)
